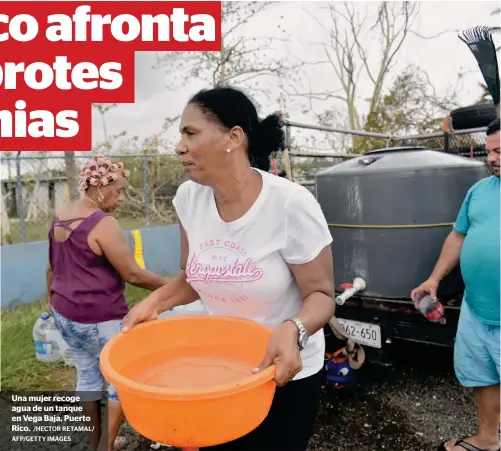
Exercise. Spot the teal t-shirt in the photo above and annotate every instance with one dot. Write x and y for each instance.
(479, 220)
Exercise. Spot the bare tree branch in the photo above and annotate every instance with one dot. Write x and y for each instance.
(243, 60)
(353, 54)
(420, 36)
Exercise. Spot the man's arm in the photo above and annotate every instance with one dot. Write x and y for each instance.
(451, 250)
(448, 260)
(449, 257)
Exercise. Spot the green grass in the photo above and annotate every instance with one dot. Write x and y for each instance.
(20, 369)
(37, 230)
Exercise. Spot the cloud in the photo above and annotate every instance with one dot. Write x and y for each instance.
(442, 58)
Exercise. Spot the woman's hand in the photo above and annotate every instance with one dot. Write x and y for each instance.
(140, 313)
(283, 351)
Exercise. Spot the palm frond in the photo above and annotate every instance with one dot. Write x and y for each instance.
(480, 42)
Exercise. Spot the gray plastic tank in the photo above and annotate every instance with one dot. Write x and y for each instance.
(389, 212)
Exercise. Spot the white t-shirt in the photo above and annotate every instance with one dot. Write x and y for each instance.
(240, 268)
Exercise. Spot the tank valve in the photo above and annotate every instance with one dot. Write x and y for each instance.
(358, 285)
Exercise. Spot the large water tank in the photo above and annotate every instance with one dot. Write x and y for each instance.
(389, 212)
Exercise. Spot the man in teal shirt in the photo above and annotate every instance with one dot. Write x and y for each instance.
(474, 244)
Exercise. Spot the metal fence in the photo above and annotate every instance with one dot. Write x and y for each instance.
(306, 162)
(466, 143)
(35, 187)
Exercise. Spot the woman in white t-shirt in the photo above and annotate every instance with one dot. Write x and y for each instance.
(255, 246)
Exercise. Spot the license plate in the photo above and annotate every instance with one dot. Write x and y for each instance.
(363, 333)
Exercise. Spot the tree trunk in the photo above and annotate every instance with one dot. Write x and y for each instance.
(222, 73)
(5, 223)
(71, 175)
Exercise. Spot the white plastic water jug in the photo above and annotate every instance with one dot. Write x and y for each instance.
(46, 347)
(64, 350)
(49, 344)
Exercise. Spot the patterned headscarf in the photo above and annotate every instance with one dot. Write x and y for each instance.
(100, 170)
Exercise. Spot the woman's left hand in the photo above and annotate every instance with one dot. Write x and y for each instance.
(283, 351)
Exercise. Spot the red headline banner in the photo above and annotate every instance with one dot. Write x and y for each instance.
(58, 58)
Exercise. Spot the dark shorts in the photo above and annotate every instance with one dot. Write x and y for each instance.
(290, 422)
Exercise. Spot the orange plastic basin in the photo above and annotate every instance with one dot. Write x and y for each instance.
(187, 381)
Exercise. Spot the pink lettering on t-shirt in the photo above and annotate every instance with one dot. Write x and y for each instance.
(220, 271)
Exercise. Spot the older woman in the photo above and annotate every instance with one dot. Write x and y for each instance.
(89, 263)
(234, 212)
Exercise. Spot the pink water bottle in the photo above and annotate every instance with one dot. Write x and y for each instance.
(432, 310)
